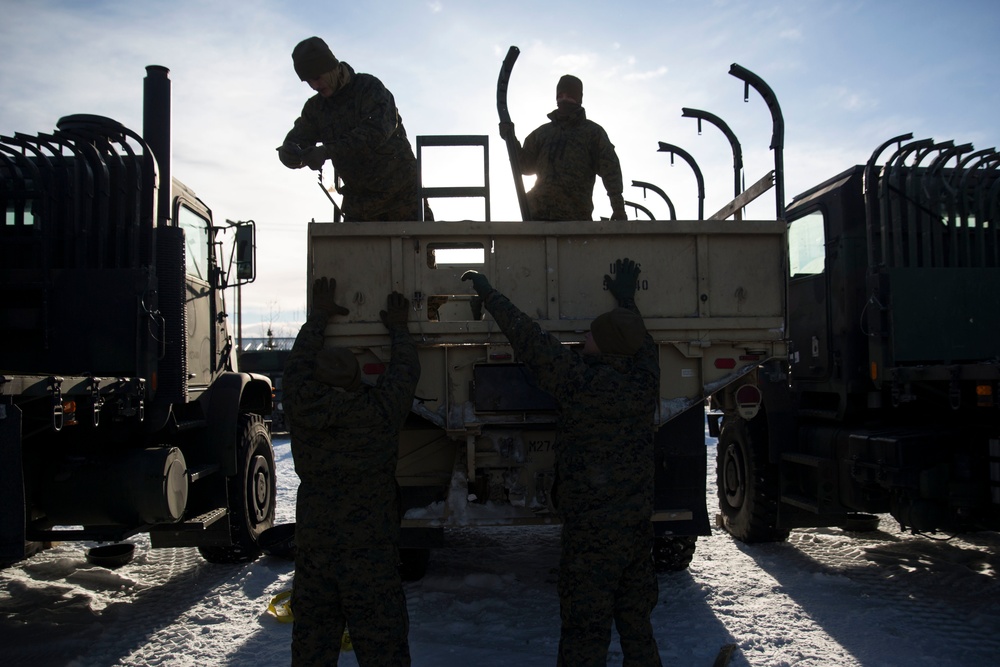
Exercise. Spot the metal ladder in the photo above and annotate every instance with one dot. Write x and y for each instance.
(457, 191)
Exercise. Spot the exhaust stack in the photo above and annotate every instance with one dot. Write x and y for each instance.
(156, 133)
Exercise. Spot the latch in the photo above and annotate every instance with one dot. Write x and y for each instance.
(55, 388)
(96, 399)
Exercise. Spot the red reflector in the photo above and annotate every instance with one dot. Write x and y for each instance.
(749, 357)
(500, 356)
(725, 362)
(373, 368)
(748, 394)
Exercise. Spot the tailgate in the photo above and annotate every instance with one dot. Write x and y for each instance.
(712, 293)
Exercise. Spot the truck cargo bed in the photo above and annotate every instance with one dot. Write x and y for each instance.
(712, 293)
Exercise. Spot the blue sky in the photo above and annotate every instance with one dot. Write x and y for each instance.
(848, 74)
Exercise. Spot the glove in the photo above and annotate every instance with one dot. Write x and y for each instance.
(622, 286)
(323, 300)
(290, 155)
(476, 305)
(315, 157)
(479, 282)
(507, 131)
(398, 313)
(618, 214)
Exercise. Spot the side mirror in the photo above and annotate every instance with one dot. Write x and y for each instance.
(246, 251)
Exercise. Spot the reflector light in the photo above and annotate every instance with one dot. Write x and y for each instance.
(748, 394)
(984, 395)
(748, 401)
(500, 356)
(69, 413)
(725, 362)
(373, 368)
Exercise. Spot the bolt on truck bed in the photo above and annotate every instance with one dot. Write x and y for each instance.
(477, 448)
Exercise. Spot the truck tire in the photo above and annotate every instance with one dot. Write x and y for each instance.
(673, 553)
(747, 482)
(252, 493)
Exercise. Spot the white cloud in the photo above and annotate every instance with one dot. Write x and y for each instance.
(645, 76)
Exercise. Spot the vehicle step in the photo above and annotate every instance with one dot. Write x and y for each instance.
(808, 460)
(194, 474)
(208, 529)
(200, 522)
(802, 502)
(190, 425)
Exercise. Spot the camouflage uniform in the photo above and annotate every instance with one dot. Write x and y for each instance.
(603, 488)
(345, 444)
(566, 155)
(365, 139)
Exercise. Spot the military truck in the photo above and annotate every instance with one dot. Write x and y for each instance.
(887, 402)
(477, 447)
(121, 410)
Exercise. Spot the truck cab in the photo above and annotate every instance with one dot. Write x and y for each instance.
(887, 404)
(120, 407)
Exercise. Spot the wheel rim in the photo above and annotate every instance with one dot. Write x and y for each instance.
(734, 476)
(259, 488)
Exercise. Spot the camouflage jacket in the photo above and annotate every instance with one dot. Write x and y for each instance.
(364, 138)
(604, 439)
(345, 443)
(567, 155)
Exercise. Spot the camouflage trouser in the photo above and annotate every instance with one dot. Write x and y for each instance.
(606, 573)
(395, 201)
(359, 588)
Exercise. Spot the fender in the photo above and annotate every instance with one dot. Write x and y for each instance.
(231, 395)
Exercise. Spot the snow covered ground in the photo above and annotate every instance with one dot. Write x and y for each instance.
(826, 597)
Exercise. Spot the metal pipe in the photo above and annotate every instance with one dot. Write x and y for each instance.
(701, 115)
(156, 133)
(871, 194)
(777, 128)
(670, 148)
(649, 186)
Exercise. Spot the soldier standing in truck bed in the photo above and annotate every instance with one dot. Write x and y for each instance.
(352, 121)
(566, 155)
(345, 441)
(603, 487)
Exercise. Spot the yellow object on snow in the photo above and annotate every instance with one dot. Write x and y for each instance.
(281, 608)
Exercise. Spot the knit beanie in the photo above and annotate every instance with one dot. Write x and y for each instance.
(338, 367)
(618, 331)
(572, 86)
(312, 58)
